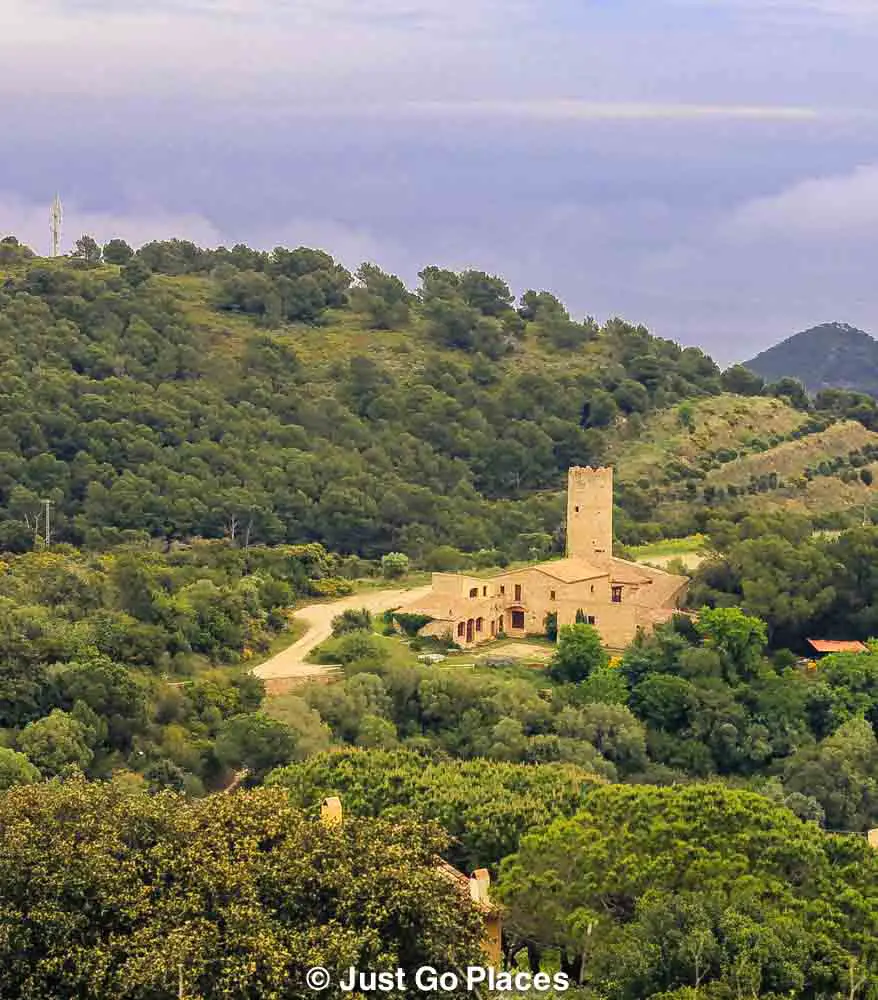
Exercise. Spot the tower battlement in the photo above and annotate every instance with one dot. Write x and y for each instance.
(590, 515)
(585, 473)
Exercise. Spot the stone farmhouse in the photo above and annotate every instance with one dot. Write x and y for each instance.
(619, 598)
(475, 888)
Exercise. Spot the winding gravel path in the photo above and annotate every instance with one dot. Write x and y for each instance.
(290, 662)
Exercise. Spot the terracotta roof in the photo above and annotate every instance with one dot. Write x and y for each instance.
(570, 570)
(623, 571)
(462, 882)
(834, 646)
(658, 588)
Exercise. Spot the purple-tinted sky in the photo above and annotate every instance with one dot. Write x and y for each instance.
(707, 167)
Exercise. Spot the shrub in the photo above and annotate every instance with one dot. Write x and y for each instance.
(446, 559)
(394, 565)
(411, 624)
(332, 586)
(352, 620)
(355, 647)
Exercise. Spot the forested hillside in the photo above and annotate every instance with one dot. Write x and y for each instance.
(271, 398)
(831, 356)
(223, 434)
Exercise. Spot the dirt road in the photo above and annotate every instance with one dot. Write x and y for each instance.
(290, 663)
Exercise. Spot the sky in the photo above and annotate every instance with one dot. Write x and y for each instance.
(706, 167)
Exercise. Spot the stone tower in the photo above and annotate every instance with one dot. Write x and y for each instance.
(590, 515)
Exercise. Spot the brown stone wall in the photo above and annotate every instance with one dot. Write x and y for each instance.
(590, 515)
(540, 594)
(459, 601)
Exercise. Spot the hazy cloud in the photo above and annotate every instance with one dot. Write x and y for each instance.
(843, 206)
(709, 167)
(575, 110)
(797, 10)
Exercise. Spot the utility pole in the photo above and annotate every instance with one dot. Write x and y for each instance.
(36, 527)
(47, 505)
(57, 219)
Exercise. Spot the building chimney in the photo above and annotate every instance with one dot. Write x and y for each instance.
(331, 811)
(480, 886)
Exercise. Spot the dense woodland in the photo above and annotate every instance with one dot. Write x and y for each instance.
(201, 393)
(224, 434)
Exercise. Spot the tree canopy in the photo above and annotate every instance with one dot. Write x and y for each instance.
(108, 892)
(648, 890)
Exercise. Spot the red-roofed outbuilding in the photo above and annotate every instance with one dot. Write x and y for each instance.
(825, 646)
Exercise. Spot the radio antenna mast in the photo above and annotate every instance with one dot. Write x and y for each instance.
(57, 218)
(47, 505)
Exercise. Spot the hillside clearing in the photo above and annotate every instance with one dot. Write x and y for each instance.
(719, 422)
(791, 458)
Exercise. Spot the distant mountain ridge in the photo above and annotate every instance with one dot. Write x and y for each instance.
(831, 356)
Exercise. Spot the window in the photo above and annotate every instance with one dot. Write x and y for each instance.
(479, 623)
(474, 592)
(551, 595)
(592, 588)
(518, 619)
(493, 627)
(461, 630)
(617, 595)
(577, 510)
(591, 620)
(484, 591)
(518, 592)
(502, 590)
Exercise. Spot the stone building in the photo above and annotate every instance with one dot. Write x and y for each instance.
(476, 888)
(618, 597)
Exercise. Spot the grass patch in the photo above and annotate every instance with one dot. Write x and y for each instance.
(367, 584)
(718, 422)
(279, 643)
(392, 650)
(537, 678)
(670, 547)
(791, 458)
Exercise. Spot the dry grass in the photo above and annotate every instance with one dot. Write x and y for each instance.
(718, 422)
(791, 458)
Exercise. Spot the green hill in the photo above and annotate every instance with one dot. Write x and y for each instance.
(275, 398)
(831, 356)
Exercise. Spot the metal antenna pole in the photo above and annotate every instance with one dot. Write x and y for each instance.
(57, 219)
(47, 505)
